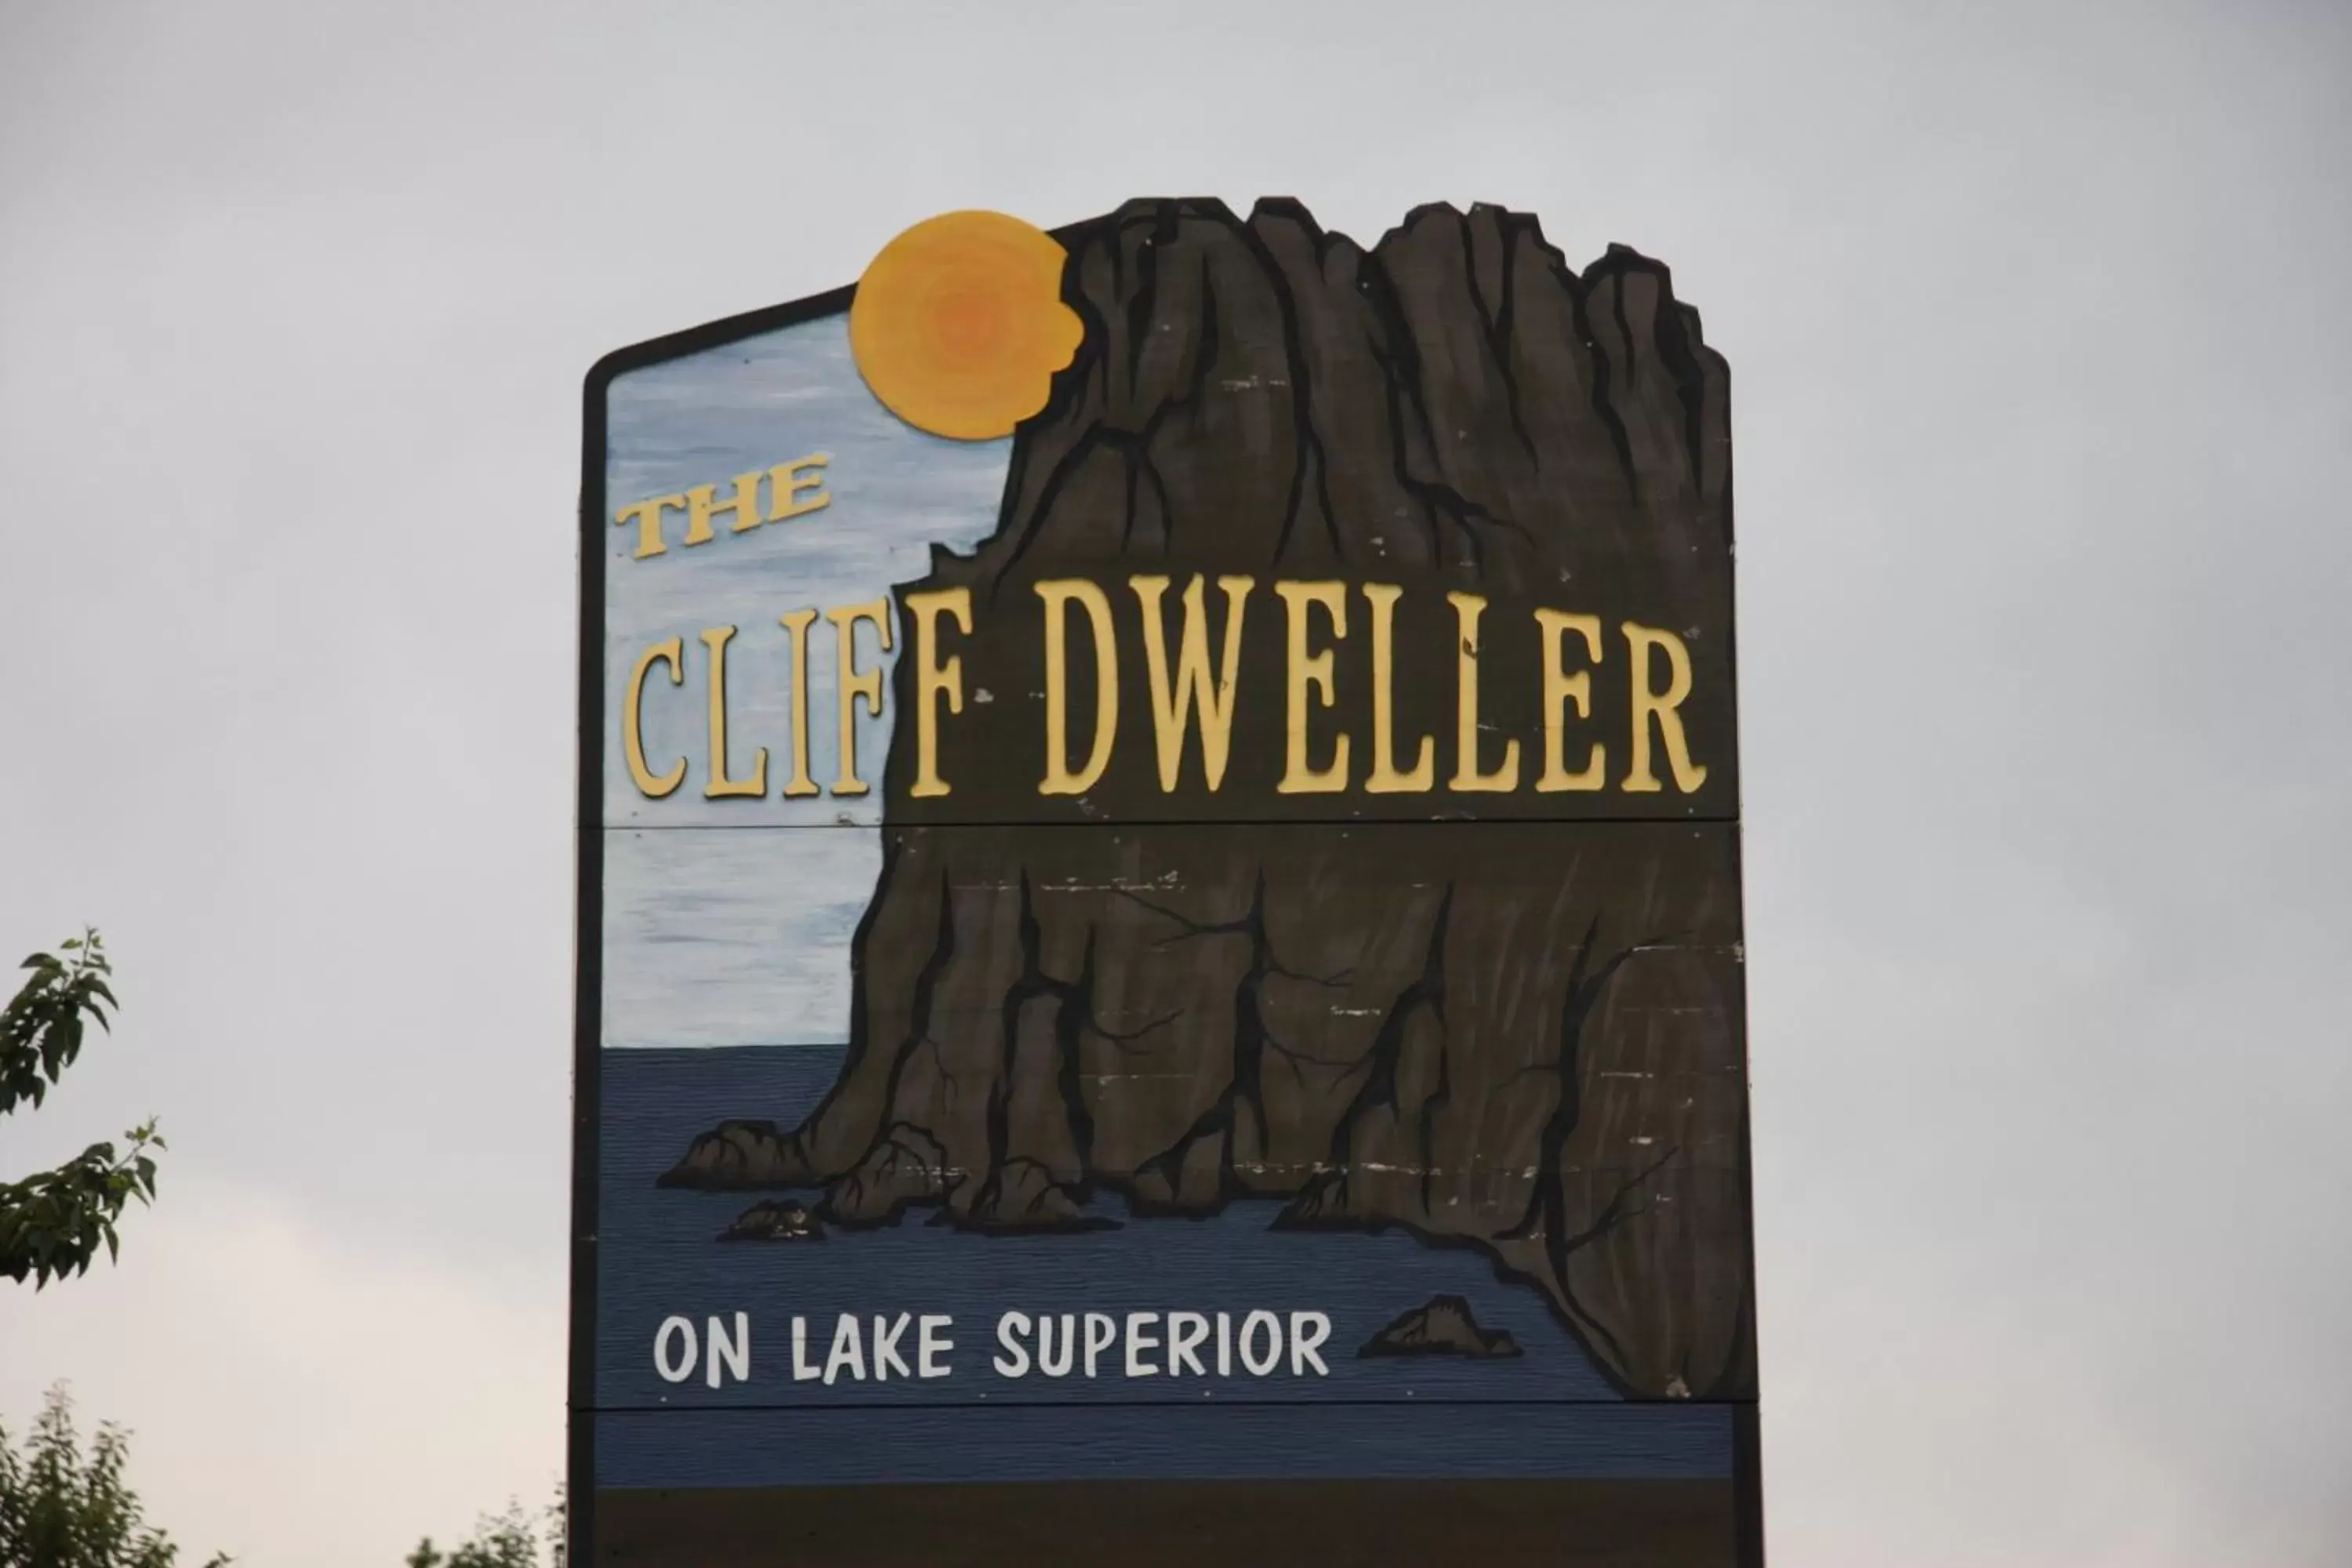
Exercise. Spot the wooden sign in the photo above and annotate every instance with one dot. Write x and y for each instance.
(1160, 972)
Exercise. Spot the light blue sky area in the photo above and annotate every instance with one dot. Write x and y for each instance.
(896, 492)
(720, 938)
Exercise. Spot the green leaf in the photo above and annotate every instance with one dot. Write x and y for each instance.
(53, 1224)
(70, 1505)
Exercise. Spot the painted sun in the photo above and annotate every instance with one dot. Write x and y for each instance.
(958, 325)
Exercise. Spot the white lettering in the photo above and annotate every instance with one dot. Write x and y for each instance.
(734, 1353)
(929, 1347)
(1129, 1344)
(679, 1371)
(1304, 1344)
(1273, 1326)
(1070, 1342)
(1010, 1328)
(1186, 1332)
(1138, 1341)
(886, 1347)
(803, 1369)
(848, 1352)
(1101, 1330)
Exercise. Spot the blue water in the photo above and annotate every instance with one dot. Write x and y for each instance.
(658, 1258)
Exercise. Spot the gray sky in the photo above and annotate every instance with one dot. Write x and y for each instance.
(2038, 322)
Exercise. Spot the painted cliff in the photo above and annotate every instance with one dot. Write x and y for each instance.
(1518, 1036)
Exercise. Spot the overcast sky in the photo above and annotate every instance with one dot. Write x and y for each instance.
(2038, 322)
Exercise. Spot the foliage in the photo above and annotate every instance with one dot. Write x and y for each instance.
(52, 1223)
(41, 1032)
(63, 1508)
(501, 1541)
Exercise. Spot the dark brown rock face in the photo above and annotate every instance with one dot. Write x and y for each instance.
(777, 1220)
(1456, 409)
(1445, 1326)
(1520, 1036)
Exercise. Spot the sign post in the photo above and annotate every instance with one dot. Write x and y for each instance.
(1161, 971)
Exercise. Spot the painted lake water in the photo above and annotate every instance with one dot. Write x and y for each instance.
(1545, 1412)
(659, 1257)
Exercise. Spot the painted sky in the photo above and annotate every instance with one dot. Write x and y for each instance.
(722, 937)
(2038, 328)
(896, 492)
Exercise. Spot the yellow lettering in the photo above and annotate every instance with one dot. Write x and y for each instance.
(934, 680)
(721, 785)
(703, 500)
(796, 623)
(648, 516)
(1192, 689)
(849, 681)
(1312, 671)
(1384, 778)
(1561, 688)
(651, 786)
(785, 483)
(1467, 779)
(1664, 705)
(1058, 594)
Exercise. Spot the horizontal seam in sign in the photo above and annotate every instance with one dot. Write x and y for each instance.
(1131, 823)
(982, 1404)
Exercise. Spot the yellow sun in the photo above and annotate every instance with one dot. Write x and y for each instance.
(959, 325)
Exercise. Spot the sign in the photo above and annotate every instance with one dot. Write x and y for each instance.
(1161, 971)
